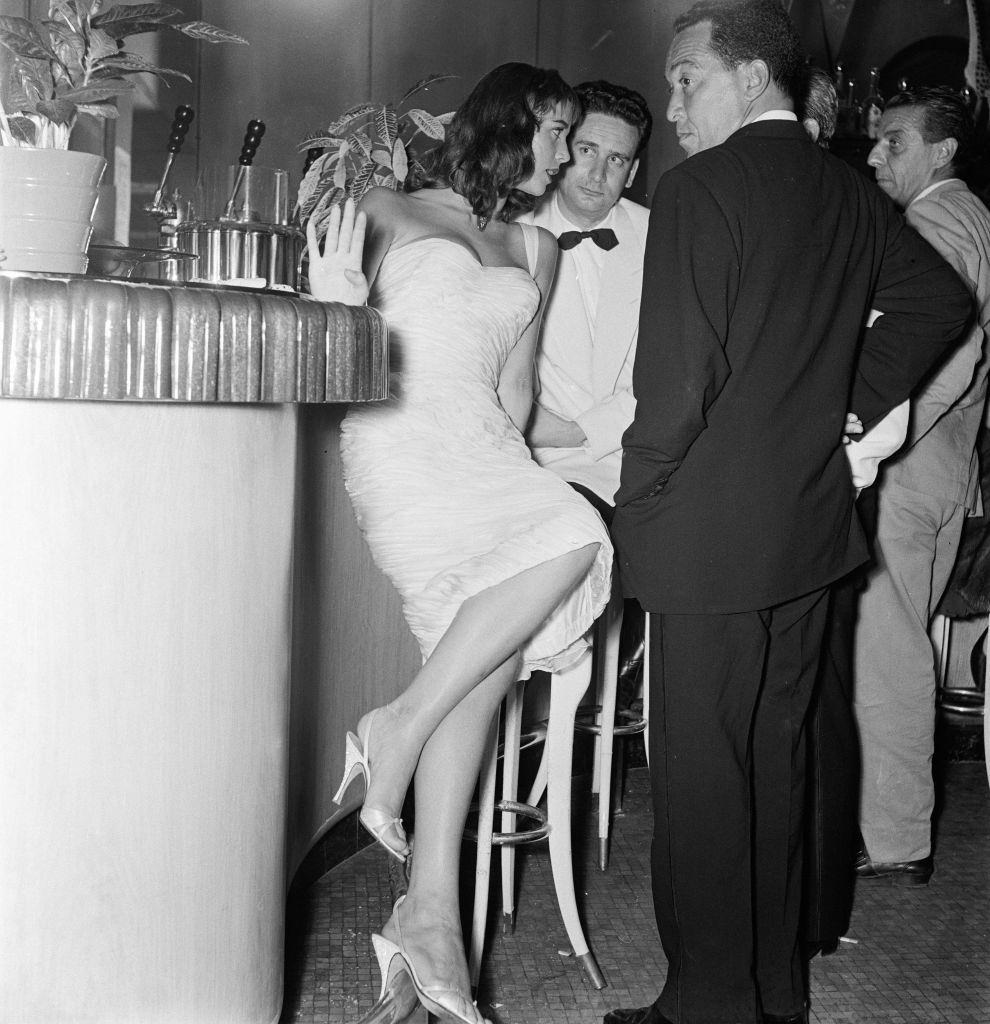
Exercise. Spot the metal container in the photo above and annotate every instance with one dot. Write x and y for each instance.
(246, 252)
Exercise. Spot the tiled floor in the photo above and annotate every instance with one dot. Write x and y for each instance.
(912, 956)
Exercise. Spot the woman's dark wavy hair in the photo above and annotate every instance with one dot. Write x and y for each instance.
(488, 149)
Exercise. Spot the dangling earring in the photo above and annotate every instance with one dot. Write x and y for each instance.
(483, 223)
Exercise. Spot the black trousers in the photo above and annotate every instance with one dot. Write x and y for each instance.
(728, 699)
(832, 809)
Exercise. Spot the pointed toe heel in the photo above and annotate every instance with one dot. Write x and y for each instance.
(376, 821)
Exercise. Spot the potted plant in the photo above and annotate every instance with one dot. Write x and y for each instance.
(369, 145)
(70, 64)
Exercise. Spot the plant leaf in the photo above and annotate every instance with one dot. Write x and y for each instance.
(359, 141)
(209, 33)
(400, 162)
(107, 111)
(426, 123)
(361, 181)
(386, 124)
(96, 93)
(22, 129)
(446, 118)
(58, 110)
(21, 37)
(131, 64)
(101, 46)
(425, 83)
(132, 19)
(317, 139)
(361, 110)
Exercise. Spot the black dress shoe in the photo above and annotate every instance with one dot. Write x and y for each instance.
(900, 872)
(642, 1015)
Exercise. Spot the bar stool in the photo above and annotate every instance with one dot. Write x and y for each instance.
(553, 776)
(599, 719)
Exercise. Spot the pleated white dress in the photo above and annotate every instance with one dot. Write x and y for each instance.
(441, 480)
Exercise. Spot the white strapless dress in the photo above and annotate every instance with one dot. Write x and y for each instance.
(441, 480)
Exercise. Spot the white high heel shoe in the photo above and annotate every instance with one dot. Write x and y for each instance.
(441, 1002)
(376, 821)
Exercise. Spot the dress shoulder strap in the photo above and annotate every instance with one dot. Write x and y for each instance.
(531, 236)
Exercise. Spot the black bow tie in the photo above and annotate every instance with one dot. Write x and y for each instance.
(604, 238)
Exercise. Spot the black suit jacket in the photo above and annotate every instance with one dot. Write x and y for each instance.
(763, 259)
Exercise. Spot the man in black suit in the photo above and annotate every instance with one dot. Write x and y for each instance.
(735, 510)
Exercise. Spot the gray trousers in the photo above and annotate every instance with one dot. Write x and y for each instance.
(894, 664)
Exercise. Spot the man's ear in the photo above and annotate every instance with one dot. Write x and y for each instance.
(755, 77)
(945, 151)
(632, 172)
(812, 127)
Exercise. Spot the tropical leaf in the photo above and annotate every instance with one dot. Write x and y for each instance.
(96, 93)
(446, 118)
(131, 64)
(22, 129)
(132, 19)
(425, 83)
(340, 171)
(100, 45)
(209, 33)
(359, 141)
(28, 79)
(382, 156)
(58, 111)
(361, 181)
(426, 123)
(344, 121)
(107, 111)
(309, 186)
(387, 125)
(400, 162)
(21, 37)
(318, 139)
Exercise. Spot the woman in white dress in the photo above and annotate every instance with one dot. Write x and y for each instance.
(502, 567)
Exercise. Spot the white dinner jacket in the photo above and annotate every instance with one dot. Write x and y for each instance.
(603, 405)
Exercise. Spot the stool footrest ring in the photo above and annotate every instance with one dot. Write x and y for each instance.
(530, 835)
(636, 723)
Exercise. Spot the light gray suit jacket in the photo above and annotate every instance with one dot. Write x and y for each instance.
(939, 457)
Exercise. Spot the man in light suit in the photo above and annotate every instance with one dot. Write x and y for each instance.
(925, 493)
(588, 342)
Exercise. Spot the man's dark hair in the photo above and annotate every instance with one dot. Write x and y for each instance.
(627, 105)
(945, 116)
(817, 99)
(744, 30)
(488, 148)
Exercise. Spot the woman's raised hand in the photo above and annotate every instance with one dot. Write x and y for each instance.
(335, 275)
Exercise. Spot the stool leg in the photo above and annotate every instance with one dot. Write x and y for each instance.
(646, 688)
(510, 785)
(482, 870)
(566, 690)
(599, 636)
(540, 782)
(606, 738)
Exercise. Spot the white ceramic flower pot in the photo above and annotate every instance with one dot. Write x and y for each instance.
(49, 196)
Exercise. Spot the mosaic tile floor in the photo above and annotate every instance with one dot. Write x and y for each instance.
(912, 956)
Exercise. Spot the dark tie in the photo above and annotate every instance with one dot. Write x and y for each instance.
(604, 238)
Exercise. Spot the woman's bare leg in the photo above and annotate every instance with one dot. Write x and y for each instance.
(445, 780)
(488, 630)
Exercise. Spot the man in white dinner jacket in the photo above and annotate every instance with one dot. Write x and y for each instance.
(588, 344)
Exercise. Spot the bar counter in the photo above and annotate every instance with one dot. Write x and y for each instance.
(190, 623)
